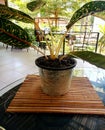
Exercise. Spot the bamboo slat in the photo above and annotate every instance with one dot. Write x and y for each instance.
(82, 98)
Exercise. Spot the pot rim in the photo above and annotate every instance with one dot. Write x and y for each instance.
(54, 68)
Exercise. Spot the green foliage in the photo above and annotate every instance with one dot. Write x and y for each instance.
(22, 6)
(62, 8)
(10, 13)
(12, 34)
(102, 29)
(102, 42)
(31, 34)
(88, 9)
(54, 29)
(91, 57)
(102, 39)
(34, 5)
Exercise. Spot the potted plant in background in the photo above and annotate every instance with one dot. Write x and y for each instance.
(13, 34)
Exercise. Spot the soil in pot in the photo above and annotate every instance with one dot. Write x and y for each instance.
(56, 64)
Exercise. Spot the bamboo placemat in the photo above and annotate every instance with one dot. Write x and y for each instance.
(82, 98)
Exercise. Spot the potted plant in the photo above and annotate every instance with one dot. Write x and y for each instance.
(49, 65)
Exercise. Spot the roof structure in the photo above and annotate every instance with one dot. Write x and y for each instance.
(51, 20)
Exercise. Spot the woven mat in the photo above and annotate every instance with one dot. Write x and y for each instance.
(81, 98)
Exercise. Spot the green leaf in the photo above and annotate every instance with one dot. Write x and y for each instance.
(34, 5)
(88, 9)
(91, 57)
(13, 35)
(10, 13)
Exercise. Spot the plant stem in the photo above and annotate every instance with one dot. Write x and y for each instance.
(60, 43)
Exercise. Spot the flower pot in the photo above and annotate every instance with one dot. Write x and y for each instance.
(55, 80)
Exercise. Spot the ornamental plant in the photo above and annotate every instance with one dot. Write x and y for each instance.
(14, 35)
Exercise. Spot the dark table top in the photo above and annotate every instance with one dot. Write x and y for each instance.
(45, 121)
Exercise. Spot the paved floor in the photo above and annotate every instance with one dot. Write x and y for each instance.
(16, 64)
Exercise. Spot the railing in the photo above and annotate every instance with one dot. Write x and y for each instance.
(85, 40)
(80, 40)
